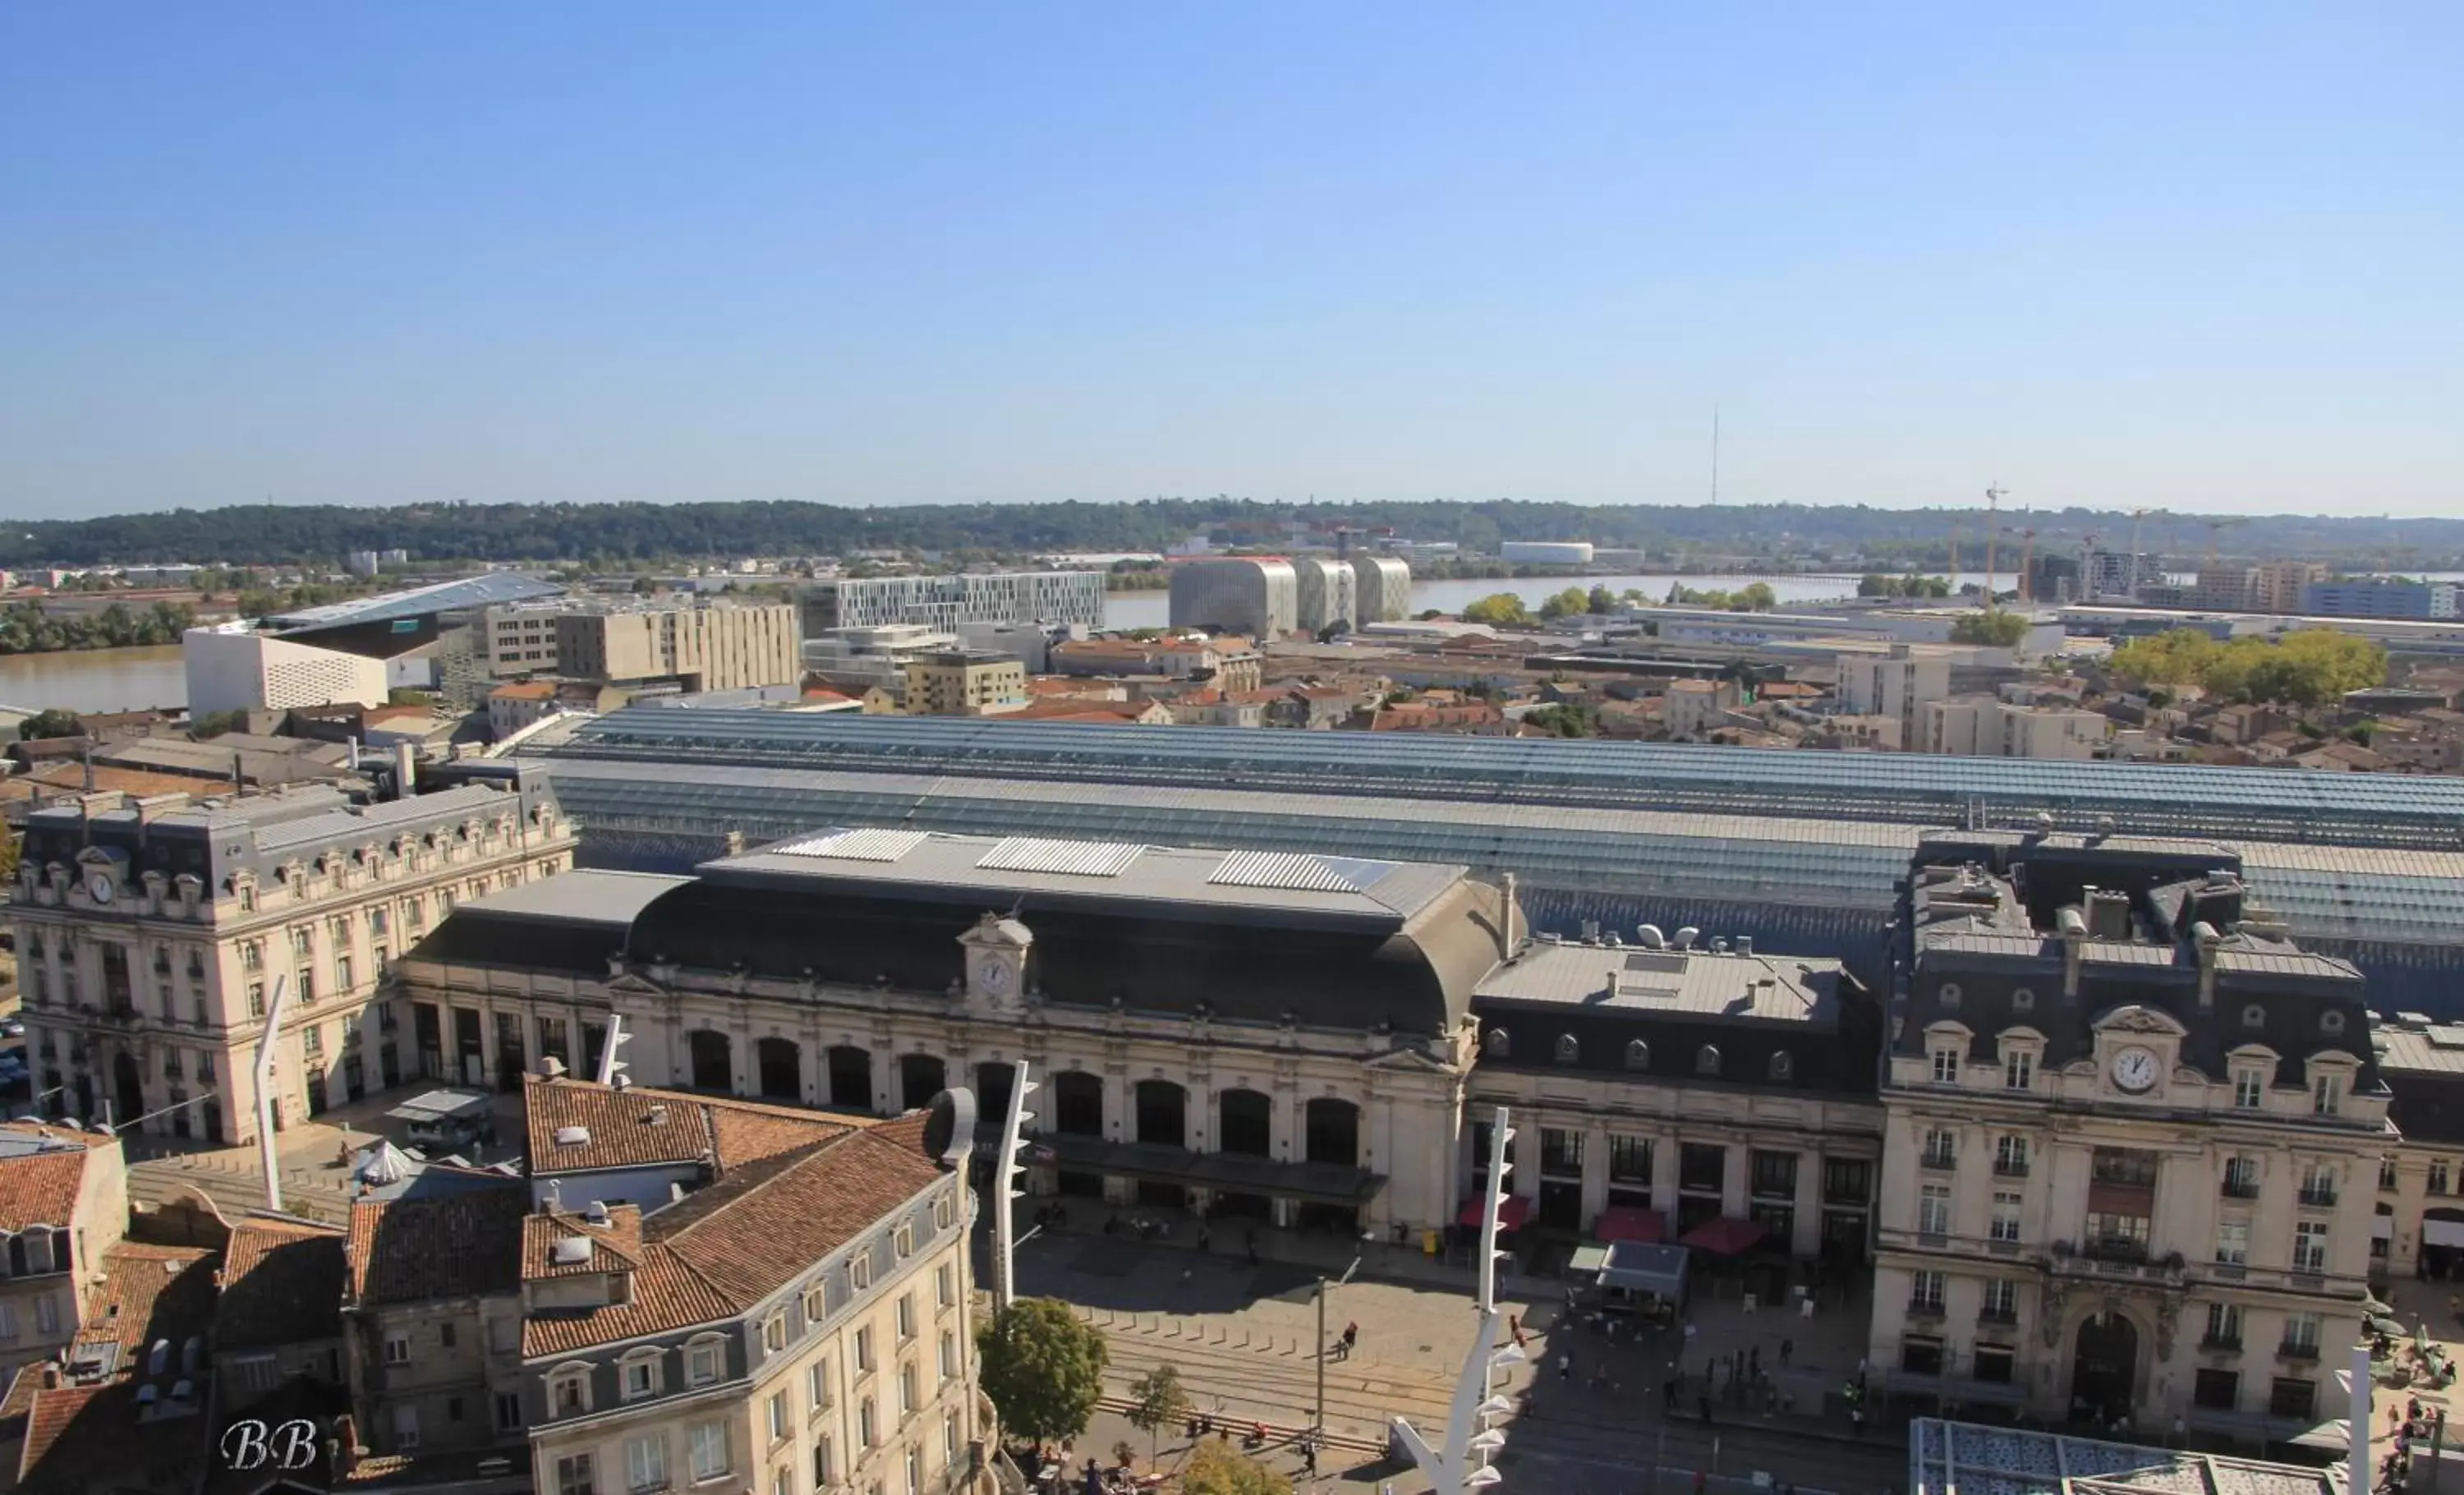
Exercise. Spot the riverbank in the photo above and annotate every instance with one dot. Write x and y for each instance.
(145, 678)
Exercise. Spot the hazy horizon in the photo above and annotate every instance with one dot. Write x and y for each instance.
(2196, 257)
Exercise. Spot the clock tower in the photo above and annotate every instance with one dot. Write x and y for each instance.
(996, 951)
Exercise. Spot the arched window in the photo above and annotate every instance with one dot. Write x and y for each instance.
(2254, 1016)
(2023, 999)
(1497, 1045)
(1783, 1065)
(2331, 1020)
(1947, 993)
(1569, 1048)
(1638, 1054)
(1707, 1059)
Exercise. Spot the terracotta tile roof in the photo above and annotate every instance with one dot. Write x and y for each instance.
(462, 1245)
(282, 1285)
(614, 1247)
(150, 1293)
(41, 1188)
(624, 1135)
(524, 691)
(1062, 708)
(725, 1249)
(55, 779)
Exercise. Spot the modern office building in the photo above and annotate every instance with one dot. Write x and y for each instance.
(1382, 585)
(2119, 573)
(1682, 1082)
(1982, 727)
(2380, 597)
(1283, 1036)
(1548, 551)
(151, 932)
(943, 602)
(1802, 852)
(1257, 595)
(237, 669)
(2133, 1138)
(1327, 593)
(966, 682)
(700, 643)
(2278, 586)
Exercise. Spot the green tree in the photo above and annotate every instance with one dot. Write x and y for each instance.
(1042, 1368)
(1214, 1468)
(1873, 583)
(1497, 609)
(55, 722)
(1602, 600)
(2176, 657)
(1158, 1400)
(1564, 720)
(1572, 602)
(1992, 627)
(406, 695)
(213, 724)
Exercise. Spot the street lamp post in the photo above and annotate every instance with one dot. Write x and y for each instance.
(1317, 1424)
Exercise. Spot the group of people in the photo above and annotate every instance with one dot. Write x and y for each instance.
(2396, 1468)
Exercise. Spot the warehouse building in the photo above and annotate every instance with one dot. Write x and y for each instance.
(1257, 595)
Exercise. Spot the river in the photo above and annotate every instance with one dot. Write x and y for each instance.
(1153, 609)
(95, 679)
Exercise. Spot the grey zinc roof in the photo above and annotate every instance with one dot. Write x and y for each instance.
(1756, 988)
(584, 896)
(1164, 874)
(380, 821)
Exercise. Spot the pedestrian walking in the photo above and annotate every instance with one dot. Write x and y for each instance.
(1350, 1337)
(1565, 1365)
(1515, 1327)
(1787, 1348)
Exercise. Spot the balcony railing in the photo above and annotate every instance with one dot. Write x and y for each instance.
(1990, 1314)
(1936, 1157)
(2317, 1196)
(2009, 1168)
(2240, 1188)
(1924, 1308)
(2297, 1349)
(2220, 1344)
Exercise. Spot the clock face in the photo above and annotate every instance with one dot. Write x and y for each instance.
(98, 887)
(994, 976)
(2135, 1068)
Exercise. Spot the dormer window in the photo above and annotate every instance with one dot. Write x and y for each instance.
(774, 1333)
(1496, 1045)
(568, 1392)
(1707, 1059)
(2254, 1016)
(2250, 1086)
(2331, 1020)
(2018, 1064)
(1948, 994)
(639, 1374)
(703, 1359)
(2326, 1094)
(2023, 999)
(1945, 1063)
(1638, 1054)
(1569, 1048)
(1783, 1066)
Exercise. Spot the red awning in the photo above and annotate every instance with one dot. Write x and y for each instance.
(1510, 1216)
(1726, 1236)
(1630, 1222)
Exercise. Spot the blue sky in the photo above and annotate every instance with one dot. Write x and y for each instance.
(2199, 257)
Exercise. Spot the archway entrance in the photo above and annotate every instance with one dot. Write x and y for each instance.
(2106, 1363)
(1332, 1136)
(713, 1066)
(919, 1080)
(128, 1088)
(781, 1062)
(1244, 1126)
(850, 1077)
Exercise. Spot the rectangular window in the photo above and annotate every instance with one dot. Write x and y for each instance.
(2310, 1247)
(2241, 1178)
(1925, 1292)
(949, 1361)
(2250, 1087)
(1933, 1210)
(825, 1464)
(860, 1272)
(312, 1042)
(864, 1422)
(816, 1380)
(2233, 1243)
(2326, 1098)
(342, 981)
(906, 1317)
(509, 1410)
(256, 999)
(2438, 1176)
(945, 1286)
(781, 1483)
(47, 1314)
(701, 1364)
(709, 1441)
(646, 1463)
(2018, 1069)
(2301, 1334)
(2224, 1326)
(864, 1349)
(1941, 1148)
(303, 941)
(406, 1437)
(397, 1349)
(2318, 1185)
(641, 1377)
(2292, 1398)
(774, 1333)
(1561, 1150)
(307, 986)
(2010, 1155)
(905, 1390)
(2116, 1237)
(1946, 1066)
(2006, 1217)
(780, 1426)
(2216, 1391)
(1630, 1161)
(2001, 1301)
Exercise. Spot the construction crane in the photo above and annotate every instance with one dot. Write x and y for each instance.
(2028, 565)
(1994, 497)
(1954, 553)
(2138, 517)
(2217, 528)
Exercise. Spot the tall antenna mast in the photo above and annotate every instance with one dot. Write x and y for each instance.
(1994, 497)
(1715, 453)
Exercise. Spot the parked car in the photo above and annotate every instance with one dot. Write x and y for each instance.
(10, 1027)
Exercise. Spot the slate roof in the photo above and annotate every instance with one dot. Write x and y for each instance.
(465, 1244)
(282, 1285)
(1700, 983)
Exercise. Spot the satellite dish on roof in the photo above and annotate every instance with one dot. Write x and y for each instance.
(950, 1126)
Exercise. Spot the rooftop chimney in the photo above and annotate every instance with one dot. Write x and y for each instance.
(1505, 940)
(2203, 935)
(2073, 924)
(406, 770)
(2108, 913)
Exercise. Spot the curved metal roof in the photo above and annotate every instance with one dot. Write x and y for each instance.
(417, 602)
(2171, 799)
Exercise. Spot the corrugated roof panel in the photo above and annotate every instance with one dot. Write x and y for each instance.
(857, 845)
(1072, 858)
(1301, 872)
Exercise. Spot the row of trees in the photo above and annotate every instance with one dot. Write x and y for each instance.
(1878, 583)
(27, 628)
(269, 534)
(1992, 627)
(2313, 668)
(1508, 609)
